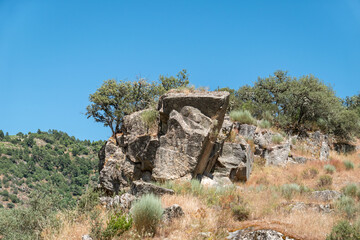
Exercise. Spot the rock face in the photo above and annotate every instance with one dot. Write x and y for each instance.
(185, 145)
(139, 188)
(326, 195)
(277, 155)
(264, 234)
(235, 162)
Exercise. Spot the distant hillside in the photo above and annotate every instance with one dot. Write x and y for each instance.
(46, 161)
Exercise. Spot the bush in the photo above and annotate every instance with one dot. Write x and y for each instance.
(196, 187)
(240, 116)
(88, 200)
(117, 225)
(347, 206)
(147, 213)
(277, 139)
(264, 124)
(149, 117)
(324, 181)
(343, 230)
(330, 169)
(288, 190)
(309, 173)
(350, 190)
(348, 164)
(240, 212)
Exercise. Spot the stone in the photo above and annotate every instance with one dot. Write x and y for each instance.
(245, 130)
(174, 211)
(235, 162)
(86, 237)
(139, 188)
(117, 170)
(324, 151)
(142, 149)
(277, 155)
(263, 139)
(126, 201)
(325, 195)
(181, 148)
(322, 208)
(133, 125)
(262, 234)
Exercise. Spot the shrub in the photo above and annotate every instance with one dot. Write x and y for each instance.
(196, 187)
(277, 139)
(324, 181)
(149, 117)
(240, 212)
(117, 225)
(330, 169)
(264, 124)
(343, 230)
(347, 206)
(242, 116)
(348, 164)
(350, 190)
(88, 200)
(309, 173)
(267, 116)
(147, 213)
(288, 190)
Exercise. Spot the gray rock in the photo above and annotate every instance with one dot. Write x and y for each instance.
(181, 148)
(322, 208)
(250, 234)
(126, 201)
(139, 188)
(324, 151)
(235, 162)
(325, 195)
(142, 149)
(133, 125)
(277, 155)
(245, 130)
(86, 237)
(174, 211)
(263, 139)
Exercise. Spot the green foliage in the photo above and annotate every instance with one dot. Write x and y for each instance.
(351, 190)
(149, 117)
(196, 187)
(346, 205)
(146, 214)
(114, 100)
(28, 223)
(240, 212)
(348, 164)
(96, 225)
(265, 124)
(117, 225)
(330, 169)
(343, 230)
(298, 104)
(289, 190)
(242, 116)
(277, 139)
(324, 181)
(88, 200)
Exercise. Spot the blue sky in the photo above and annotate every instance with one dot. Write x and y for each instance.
(53, 54)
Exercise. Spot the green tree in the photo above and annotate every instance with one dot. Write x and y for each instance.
(114, 100)
(181, 80)
(2, 135)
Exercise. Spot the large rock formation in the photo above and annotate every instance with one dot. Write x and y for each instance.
(186, 144)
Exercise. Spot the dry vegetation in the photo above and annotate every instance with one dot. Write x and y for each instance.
(262, 195)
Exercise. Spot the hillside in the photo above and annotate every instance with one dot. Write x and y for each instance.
(45, 161)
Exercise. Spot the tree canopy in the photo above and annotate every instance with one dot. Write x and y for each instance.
(116, 99)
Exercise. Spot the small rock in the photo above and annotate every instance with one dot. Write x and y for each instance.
(174, 211)
(263, 234)
(139, 188)
(86, 237)
(326, 195)
(126, 200)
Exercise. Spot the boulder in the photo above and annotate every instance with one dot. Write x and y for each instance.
(325, 195)
(277, 155)
(251, 234)
(245, 130)
(139, 188)
(133, 125)
(235, 161)
(174, 211)
(117, 170)
(322, 208)
(324, 151)
(86, 237)
(263, 139)
(142, 149)
(181, 148)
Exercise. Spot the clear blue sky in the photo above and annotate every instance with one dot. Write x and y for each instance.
(53, 53)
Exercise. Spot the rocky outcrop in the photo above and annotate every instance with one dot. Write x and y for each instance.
(325, 195)
(277, 155)
(181, 148)
(235, 162)
(263, 234)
